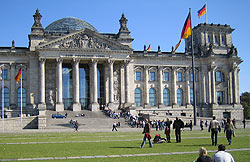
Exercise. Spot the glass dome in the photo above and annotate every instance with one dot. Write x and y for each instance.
(68, 24)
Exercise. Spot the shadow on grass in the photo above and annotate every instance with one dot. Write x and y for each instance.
(126, 147)
(200, 145)
(68, 125)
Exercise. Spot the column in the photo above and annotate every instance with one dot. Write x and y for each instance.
(122, 78)
(127, 79)
(203, 82)
(235, 82)
(146, 90)
(174, 97)
(209, 87)
(13, 93)
(94, 106)
(214, 99)
(76, 104)
(59, 102)
(187, 87)
(111, 83)
(160, 89)
(42, 105)
(230, 88)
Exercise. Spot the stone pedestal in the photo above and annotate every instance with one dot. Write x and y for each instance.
(76, 107)
(94, 107)
(59, 107)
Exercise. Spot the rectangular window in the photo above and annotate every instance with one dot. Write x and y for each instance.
(152, 76)
(179, 77)
(138, 76)
(166, 76)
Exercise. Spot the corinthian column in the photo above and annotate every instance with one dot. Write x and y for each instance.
(160, 93)
(59, 102)
(111, 84)
(94, 106)
(13, 86)
(188, 87)
(127, 80)
(146, 90)
(236, 84)
(76, 104)
(213, 87)
(174, 97)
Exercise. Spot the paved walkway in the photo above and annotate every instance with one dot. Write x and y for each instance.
(96, 141)
(111, 156)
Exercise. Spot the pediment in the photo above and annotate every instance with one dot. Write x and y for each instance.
(85, 39)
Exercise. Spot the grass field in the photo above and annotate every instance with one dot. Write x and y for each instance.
(69, 146)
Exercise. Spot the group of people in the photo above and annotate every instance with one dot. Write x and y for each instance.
(220, 156)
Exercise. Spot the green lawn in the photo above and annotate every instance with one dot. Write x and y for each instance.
(115, 143)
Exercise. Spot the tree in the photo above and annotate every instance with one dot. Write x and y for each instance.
(245, 101)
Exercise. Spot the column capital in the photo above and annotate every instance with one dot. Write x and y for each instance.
(76, 60)
(174, 68)
(146, 67)
(212, 66)
(93, 61)
(42, 59)
(59, 60)
(160, 68)
(126, 62)
(110, 62)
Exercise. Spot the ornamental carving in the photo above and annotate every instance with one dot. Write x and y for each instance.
(83, 41)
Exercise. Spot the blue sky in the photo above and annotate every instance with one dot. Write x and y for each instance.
(155, 22)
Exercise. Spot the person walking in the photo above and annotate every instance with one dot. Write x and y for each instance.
(76, 125)
(222, 156)
(114, 126)
(214, 127)
(167, 129)
(229, 129)
(244, 123)
(203, 157)
(178, 124)
(146, 132)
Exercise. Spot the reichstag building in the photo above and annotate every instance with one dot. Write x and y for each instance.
(69, 65)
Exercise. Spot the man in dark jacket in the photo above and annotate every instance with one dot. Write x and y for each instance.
(178, 124)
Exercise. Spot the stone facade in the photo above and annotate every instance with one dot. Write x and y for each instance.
(79, 68)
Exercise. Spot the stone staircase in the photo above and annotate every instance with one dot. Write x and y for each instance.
(91, 121)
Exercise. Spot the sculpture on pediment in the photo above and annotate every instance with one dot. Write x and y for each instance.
(83, 41)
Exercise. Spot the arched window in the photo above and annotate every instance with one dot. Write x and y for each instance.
(219, 76)
(19, 97)
(138, 97)
(179, 97)
(152, 97)
(166, 97)
(6, 97)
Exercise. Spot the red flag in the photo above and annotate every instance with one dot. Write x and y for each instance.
(18, 76)
(186, 31)
(202, 11)
(149, 48)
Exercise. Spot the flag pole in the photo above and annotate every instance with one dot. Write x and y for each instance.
(21, 99)
(192, 50)
(2, 68)
(206, 12)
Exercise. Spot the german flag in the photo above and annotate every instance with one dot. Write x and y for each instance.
(149, 48)
(18, 76)
(202, 11)
(186, 30)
